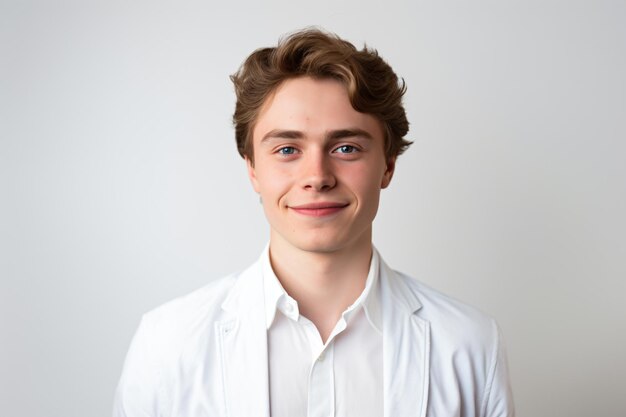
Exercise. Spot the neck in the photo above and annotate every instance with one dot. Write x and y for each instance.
(323, 283)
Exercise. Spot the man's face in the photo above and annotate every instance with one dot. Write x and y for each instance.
(319, 166)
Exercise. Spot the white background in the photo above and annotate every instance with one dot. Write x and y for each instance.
(121, 187)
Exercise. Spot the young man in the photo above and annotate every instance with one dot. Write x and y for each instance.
(320, 325)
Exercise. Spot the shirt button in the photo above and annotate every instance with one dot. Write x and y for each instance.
(289, 308)
(321, 357)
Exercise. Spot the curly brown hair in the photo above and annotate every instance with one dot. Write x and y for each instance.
(372, 85)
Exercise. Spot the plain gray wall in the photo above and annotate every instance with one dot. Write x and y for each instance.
(121, 186)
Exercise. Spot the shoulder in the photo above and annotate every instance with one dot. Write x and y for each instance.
(440, 306)
(175, 321)
(168, 344)
(195, 304)
(453, 323)
(177, 329)
(467, 348)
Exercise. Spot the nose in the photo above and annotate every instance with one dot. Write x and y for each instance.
(317, 172)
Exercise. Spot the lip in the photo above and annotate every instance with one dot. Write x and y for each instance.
(319, 209)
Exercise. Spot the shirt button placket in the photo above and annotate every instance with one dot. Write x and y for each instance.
(322, 386)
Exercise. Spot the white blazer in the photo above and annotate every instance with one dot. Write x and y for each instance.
(205, 354)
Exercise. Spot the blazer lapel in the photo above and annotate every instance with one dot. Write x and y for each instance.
(243, 347)
(406, 348)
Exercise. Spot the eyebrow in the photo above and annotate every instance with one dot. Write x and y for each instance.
(331, 135)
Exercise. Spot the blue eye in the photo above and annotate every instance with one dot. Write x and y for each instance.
(346, 149)
(287, 150)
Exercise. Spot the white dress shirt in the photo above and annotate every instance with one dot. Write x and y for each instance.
(344, 376)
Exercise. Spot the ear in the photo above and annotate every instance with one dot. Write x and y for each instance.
(391, 166)
(252, 174)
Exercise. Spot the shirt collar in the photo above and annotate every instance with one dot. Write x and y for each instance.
(276, 298)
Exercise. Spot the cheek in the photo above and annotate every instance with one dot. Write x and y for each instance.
(272, 181)
(364, 180)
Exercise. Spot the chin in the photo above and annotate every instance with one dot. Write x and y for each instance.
(316, 246)
(323, 244)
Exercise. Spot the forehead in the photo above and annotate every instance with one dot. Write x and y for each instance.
(313, 107)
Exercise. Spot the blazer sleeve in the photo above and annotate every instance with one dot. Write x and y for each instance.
(139, 390)
(498, 395)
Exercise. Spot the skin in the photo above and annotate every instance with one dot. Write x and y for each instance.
(319, 167)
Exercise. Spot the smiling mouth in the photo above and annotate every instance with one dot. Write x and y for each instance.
(319, 209)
